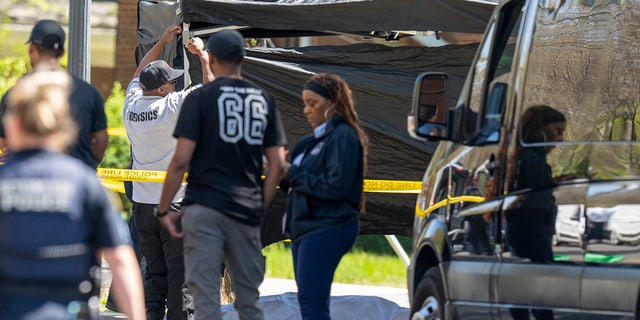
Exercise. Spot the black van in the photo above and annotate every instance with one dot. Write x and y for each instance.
(530, 206)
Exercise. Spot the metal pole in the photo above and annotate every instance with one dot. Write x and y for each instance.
(186, 35)
(79, 48)
(397, 248)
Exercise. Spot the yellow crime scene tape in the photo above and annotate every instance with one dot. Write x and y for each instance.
(114, 178)
(120, 132)
(392, 186)
(131, 175)
(449, 200)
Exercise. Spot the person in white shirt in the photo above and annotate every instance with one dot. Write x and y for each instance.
(150, 113)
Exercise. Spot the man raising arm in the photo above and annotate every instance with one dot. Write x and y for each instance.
(150, 114)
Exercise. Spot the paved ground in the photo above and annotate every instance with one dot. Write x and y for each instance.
(350, 301)
(272, 286)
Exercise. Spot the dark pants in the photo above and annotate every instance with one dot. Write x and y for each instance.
(315, 259)
(596, 230)
(111, 303)
(533, 241)
(476, 239)
(165, 266)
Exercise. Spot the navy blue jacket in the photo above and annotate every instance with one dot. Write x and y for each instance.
(326, 188)
(538, 207)
(54, 216)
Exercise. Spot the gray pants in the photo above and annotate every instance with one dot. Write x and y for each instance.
(211, 239)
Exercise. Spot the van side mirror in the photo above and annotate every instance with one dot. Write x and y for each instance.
(428, 118)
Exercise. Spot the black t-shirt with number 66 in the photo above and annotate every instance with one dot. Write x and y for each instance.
(232, 121)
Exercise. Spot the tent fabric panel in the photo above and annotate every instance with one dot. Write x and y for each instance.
(344, 15)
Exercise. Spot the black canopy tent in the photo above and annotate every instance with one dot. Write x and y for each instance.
(346, 16)
(380, 76)
(381, 79)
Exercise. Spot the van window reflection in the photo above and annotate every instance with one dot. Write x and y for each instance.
(531, 223)
(476, 235)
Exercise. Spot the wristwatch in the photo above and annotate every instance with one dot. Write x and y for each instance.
(159, 214)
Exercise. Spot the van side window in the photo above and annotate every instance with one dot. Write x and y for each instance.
(493, 66)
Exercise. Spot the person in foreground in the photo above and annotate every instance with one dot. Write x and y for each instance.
(55, 218)
(224, 130)
(325, 197)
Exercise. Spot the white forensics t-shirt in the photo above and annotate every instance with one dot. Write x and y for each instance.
(150, 121)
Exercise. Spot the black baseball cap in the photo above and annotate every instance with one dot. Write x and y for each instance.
(49, 34)
(227, 45)
(158, 73)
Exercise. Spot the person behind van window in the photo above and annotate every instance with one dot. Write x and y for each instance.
(325, 197)
(531, 224)
(56, 219)
(46, 48)
(150, 114)
(476, 238)
(223, 131)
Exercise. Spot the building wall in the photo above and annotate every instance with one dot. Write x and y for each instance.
(126, 41)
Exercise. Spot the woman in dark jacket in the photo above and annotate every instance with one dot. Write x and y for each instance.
(531, 224)
(325, 190)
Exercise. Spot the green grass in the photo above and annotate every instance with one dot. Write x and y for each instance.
(356, 267)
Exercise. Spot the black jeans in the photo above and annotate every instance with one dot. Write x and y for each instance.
(533, 241)
(111, 303)
(164, 278)
(476, 239)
